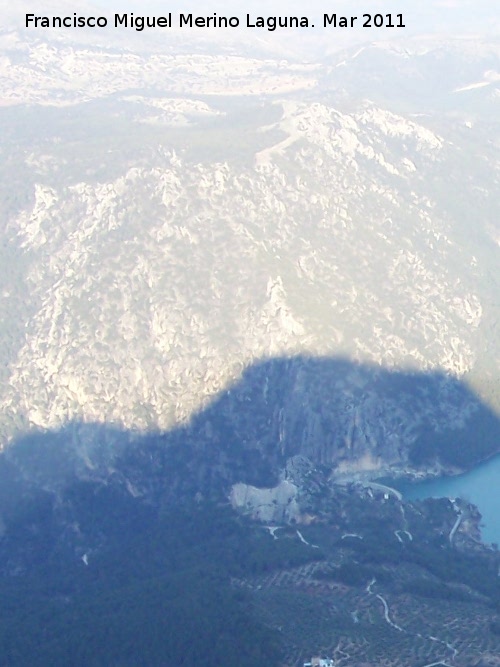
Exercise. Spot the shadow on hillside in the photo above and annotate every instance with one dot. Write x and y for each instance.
(330, 410)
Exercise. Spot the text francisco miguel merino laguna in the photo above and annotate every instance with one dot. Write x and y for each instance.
(270, 23)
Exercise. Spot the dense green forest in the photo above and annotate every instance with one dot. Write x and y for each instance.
(156, 590)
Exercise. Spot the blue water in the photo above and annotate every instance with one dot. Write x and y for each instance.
(480, 486)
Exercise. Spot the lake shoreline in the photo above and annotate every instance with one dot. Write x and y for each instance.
(476, 485)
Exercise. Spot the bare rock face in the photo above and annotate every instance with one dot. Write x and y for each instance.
(278, 504)
(140, 289)
(351, 418)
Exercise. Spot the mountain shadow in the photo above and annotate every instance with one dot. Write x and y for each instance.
(335, 412)
(119, 548)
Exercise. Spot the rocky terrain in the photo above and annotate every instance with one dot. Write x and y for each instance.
(168, 220)
(238, 284)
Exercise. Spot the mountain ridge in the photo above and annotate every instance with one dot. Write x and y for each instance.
(349, 418)
(223, 261)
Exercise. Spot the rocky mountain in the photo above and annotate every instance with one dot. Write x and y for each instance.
(169, 220)
(239, 280)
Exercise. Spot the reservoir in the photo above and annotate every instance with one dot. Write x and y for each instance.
(480, 486)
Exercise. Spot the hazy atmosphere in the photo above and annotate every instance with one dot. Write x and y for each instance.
(249, 350)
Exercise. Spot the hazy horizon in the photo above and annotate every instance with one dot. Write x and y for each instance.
(451, 17)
